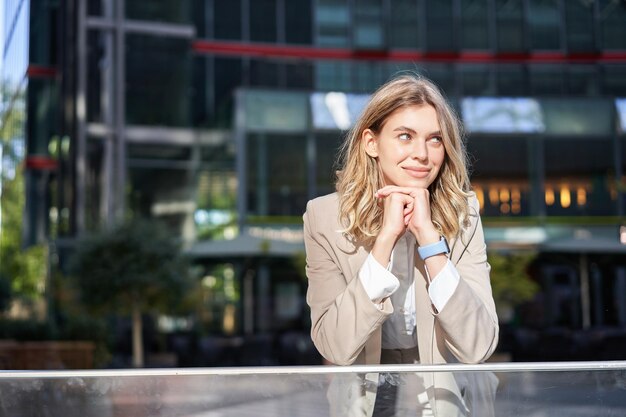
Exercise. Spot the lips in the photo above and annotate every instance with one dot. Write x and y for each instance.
(417, 172)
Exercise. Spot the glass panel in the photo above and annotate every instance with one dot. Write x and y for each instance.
(216, 200)
(299, 76)
(476, 80)
(403, 25)
(158, 190)
(336, 111)
(579, 177)
(439, 26)
(227, 19)
(614, 80)
(368, 25)
(95, 184)
(263, 21)
(590, 389)
(511, 80)
(442, 75)
(298, 22)
(582, 80)
(475, 24)
(578, 116)
(228, 75)
(264, 73)
(333, 76)
(158, 75)
(502, 115)
(612, 27)
(333, 21)
(277, 175)
(510, 26)
(171, 11)
(327, 147)
(274, 111)
(368, 76)
(96, 7)
(579, 20)
(544, 21)
(100, 76)
(546, 80)
(500, 175)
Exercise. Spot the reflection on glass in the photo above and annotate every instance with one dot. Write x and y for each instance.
(503, 115)
(590, 389)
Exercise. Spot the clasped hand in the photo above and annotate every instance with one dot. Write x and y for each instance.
(405, 207)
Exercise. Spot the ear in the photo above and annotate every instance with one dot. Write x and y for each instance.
(370, 143)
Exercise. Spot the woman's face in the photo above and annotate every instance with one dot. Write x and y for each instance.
(409, 147)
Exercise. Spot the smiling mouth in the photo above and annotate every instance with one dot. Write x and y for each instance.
(417, 172)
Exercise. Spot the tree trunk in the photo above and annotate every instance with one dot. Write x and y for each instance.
(137, 337)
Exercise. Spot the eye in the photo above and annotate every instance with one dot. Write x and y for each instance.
(404, 136)
(436, 139)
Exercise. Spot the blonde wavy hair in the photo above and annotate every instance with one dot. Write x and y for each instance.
(360, 175)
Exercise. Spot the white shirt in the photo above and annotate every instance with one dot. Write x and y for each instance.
(397, 282)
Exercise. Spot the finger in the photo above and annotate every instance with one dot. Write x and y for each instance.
(390, 189)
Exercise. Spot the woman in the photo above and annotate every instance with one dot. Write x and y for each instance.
(396, 258)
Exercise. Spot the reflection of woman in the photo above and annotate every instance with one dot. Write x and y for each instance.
(384, 284)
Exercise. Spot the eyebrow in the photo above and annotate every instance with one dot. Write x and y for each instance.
(413, 132)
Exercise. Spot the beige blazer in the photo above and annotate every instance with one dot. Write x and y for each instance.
(346, 325)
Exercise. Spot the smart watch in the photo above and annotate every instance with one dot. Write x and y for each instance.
(434, 248)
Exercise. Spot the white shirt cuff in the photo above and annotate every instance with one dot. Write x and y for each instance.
(443, 286)
(377, 280)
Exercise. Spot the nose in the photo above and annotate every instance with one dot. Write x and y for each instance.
(420, 150)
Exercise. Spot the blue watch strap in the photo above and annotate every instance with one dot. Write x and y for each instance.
(434, 248)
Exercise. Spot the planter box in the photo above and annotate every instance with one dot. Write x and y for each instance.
(46, 355)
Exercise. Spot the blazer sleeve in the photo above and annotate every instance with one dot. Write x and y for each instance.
(469, 321)
(342, 315)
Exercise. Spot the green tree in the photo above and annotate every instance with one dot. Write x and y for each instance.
(510, 282)
(133, 268)
(25, 269)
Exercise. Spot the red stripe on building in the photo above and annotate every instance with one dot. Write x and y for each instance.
(315, 53)
(37, 71)
(40, 163)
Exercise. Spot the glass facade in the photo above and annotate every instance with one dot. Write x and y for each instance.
(202, 113)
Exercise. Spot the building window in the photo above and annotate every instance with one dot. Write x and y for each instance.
(440, 26)
(277, 175)
(582, 80)
(511, 80)
(544, 24)
(615, 80)
(227, 18)
(171, 11)
(546, 80)
(476, 80)
(579, 21)
(158, 71)
(612, 27)
(263, 21)
(332, 18)
(510, 26)
(333, 76)
(578, 177)
(475, 25)
(404, 25)
(369, 32)
(500, 175)
(298, 22)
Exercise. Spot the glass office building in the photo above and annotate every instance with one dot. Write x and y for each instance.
(223, 118)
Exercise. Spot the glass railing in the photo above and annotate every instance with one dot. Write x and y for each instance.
(568, 389)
